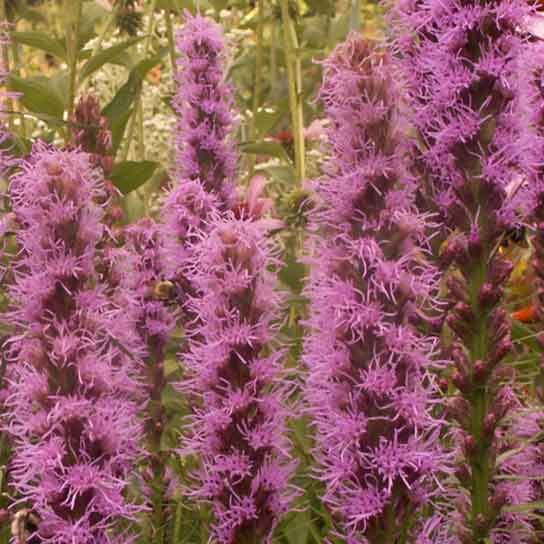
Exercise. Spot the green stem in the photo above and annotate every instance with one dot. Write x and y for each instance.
(259, 61)
(480, 401)
(171, 42)
(15, 71)
(135, 113)
(155, 425)
(294, 74)
(355, 19)
(275, 93)
(73, 15)
(5, 60)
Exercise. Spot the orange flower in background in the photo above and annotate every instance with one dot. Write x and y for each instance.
(526, 315)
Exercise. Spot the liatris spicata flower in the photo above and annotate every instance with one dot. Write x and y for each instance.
(145, 296)
(369, 388)
(461, 60)
(204, 104)
(234, 378)
(71, 398)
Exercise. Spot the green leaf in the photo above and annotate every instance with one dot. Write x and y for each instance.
(40, 40)
(266, 120)
(339, 29)
(219, 4)
(177, 6)
(272, 149)
(118, 126)
(130, 175)
(297, 530)
(123, 99)
(321, 6)
(92, 12)
(145, 65)
(39, 95)
(284, 174)
(119, 110)
(31, 15)
(105, 56)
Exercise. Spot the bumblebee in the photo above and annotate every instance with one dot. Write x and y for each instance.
(24, 524)
(164, 290)
(514, 236)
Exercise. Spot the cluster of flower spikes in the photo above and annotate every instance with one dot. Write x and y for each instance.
(461, 60)
(369, 389)
(72, 397)
(235, 381)
(203, 103)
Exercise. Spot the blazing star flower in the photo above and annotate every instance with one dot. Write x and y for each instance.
(204, 105)
(462, 61)
(236, 383)
(369, 389)
(71, 396)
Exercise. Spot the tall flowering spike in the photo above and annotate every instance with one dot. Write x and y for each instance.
(461, 62)
(369, 388)
(204, 104)
(138, 272)
(71, 399)
(461, 59)
(234, 378)
(187, 211)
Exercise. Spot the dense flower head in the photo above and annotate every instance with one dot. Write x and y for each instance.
(237, 384)
(187, 210)
(460, 61)
(71, 395)
(204, 104)
(143, 281)
(370, 390)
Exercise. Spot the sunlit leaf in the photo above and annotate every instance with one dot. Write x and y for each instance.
(40, 40)
(105, 56)
(127, 176)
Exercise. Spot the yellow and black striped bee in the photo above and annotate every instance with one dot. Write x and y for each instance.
(23, 525)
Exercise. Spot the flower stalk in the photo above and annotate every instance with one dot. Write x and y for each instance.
(294, 75)
(369, 289)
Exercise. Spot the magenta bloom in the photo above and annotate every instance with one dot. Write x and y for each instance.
(204, 105)
(369, 389)
(71, 399)
(236, 382)
(463, 62)
(141, 277)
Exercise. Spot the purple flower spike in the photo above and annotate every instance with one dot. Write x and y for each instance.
(236, 381)
(204, 104)
(71, 398)
(463, 63)
(370, 390)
